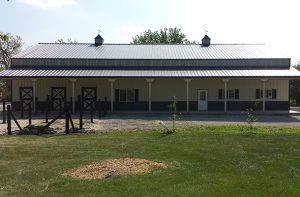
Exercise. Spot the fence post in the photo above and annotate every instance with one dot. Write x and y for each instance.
(105, 105)
(29, 113)
(8, 120)
(92, 113)
(4, 113)
(72, 123)
(80, 113)
(99, 108)
(47, 108)
(67, 118)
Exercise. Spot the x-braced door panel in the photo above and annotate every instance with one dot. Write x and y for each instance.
(58, 95)
(89, 97)
(26, 97)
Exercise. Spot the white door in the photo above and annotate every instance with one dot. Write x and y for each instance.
(202, 100)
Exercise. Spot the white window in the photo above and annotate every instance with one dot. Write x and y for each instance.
(269, 94)
(127, 95)
(123, 96)
(231, 94)
(202, 96)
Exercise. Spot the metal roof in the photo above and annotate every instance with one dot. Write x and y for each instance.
(148, 64)
(31, 73)
(153, 51)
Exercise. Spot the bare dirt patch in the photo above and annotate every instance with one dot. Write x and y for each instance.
(107, 168)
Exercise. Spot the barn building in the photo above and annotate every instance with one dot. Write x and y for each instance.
(145, 77)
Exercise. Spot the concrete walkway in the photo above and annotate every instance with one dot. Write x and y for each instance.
(210, 119)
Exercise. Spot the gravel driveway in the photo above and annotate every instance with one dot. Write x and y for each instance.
(133, 122)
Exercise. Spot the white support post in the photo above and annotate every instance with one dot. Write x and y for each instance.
(264, 94)
(150, 93)
(111, 94)
(187, 94)
(34, 93)
(225, 94)
(73, 93)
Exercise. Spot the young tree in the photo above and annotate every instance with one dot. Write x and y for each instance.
(166, 35)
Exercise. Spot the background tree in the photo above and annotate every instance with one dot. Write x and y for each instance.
(69, 40)
(295, 88)
(9, 45)
(166, 35)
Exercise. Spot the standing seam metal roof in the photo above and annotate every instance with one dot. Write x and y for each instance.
(21, 73)
(156, 51)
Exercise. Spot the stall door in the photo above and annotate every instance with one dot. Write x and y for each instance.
(26, 97)
(58, 95)
(202, 100)
(89, 97)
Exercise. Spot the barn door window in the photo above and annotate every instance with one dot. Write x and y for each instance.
(58, 95)
(89, 97)
(26, 97)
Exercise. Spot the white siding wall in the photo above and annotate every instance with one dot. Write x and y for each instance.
(162, 89)
(165, 89)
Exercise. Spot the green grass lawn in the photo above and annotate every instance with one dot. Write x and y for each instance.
(204, 161)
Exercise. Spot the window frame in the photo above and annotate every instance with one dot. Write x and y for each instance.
(268, 94)
(233, 95)
(129, 95)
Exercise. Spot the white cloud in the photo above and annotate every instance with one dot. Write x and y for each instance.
(48, 3)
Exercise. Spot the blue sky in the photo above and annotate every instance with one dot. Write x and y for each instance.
(275, 23)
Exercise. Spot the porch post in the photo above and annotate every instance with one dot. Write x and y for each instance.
(225, 94)
(111, 94)
(187, 94)
(34, 93)
(149, 92)
(264, 94)
(73, 93)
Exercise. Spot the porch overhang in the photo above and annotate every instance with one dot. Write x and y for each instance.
(290, 73)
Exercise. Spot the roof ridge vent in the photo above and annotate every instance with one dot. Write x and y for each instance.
(98, 40)
(206, 40)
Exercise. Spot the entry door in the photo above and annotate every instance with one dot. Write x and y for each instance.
(26, 97)
(58, 95)
(89, 96)
(202, 100)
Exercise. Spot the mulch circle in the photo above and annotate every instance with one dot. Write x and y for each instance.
(107, 168)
